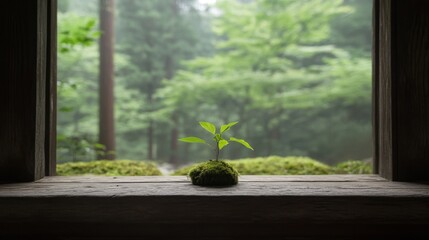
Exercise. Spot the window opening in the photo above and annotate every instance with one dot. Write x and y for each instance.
(295, 74)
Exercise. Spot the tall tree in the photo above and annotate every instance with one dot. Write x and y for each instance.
(106, 98)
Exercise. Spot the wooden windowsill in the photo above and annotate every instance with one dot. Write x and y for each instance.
(277, 202)
(333, 186)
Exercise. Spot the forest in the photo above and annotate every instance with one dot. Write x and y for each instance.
(295, 74)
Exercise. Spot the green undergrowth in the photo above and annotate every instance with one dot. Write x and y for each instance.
(353, 167)
(109, 168)
(273, 165)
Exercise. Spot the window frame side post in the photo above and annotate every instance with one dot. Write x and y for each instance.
(51, 90)
(383, 92)
(22, 122)
(402, 106)
(375, 85)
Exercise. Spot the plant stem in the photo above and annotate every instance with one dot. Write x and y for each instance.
(217, 151)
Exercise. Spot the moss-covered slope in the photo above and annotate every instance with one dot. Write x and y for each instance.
(273, 165)
(109, 168)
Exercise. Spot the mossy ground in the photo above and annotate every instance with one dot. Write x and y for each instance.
(272, 165)
(353, 167)
(213, 173)
(109, 168)
(275, 165)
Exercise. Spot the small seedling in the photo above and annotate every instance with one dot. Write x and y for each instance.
(218, 139)
(216, 172)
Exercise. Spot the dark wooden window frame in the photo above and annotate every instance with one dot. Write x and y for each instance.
(394, 123)
(391, 203)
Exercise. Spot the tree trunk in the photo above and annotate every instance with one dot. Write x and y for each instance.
(150, 128)
(150, 141)
(174, 158)
(106, 98)
(174, 134)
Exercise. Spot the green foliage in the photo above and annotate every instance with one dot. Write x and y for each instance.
(241, 141)
(353, 167)
(210, 127)
(226, 127)
(109, 168)
(220, 142)
(273, 165)
(277, 68)
(213, 173)
(74, 30)
(193, 140)
(261, 34)
(356, 25)
(297, 74)
(77, 82)
(155, 37)
(72, 148)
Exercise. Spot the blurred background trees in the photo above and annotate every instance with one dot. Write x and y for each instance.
(296, 74)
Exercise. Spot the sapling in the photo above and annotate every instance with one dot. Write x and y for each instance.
(219, 141)
(215, 172)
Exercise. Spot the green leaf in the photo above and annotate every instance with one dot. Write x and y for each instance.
(192, 140)
(209, 127)
(222, 143)
(244, 143)
(226, 127)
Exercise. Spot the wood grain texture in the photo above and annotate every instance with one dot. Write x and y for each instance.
(23, 90)
(262, 188)
(403, 90)
(41, 82)
(384, 92)
(260, 209)
(244, 178)
(375, 86)
(411, 47)
(51, 91)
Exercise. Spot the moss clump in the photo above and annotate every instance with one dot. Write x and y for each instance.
(353, 167)
(109, 168)
(273, 165)
(213, 173)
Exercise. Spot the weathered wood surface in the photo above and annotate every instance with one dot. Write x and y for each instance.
(384, 92)
(130, 207)
(244, 178)
(185, 188)
(51, 91)
(402, 106)
(22, 108)
(411, 39)
(375, 58)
